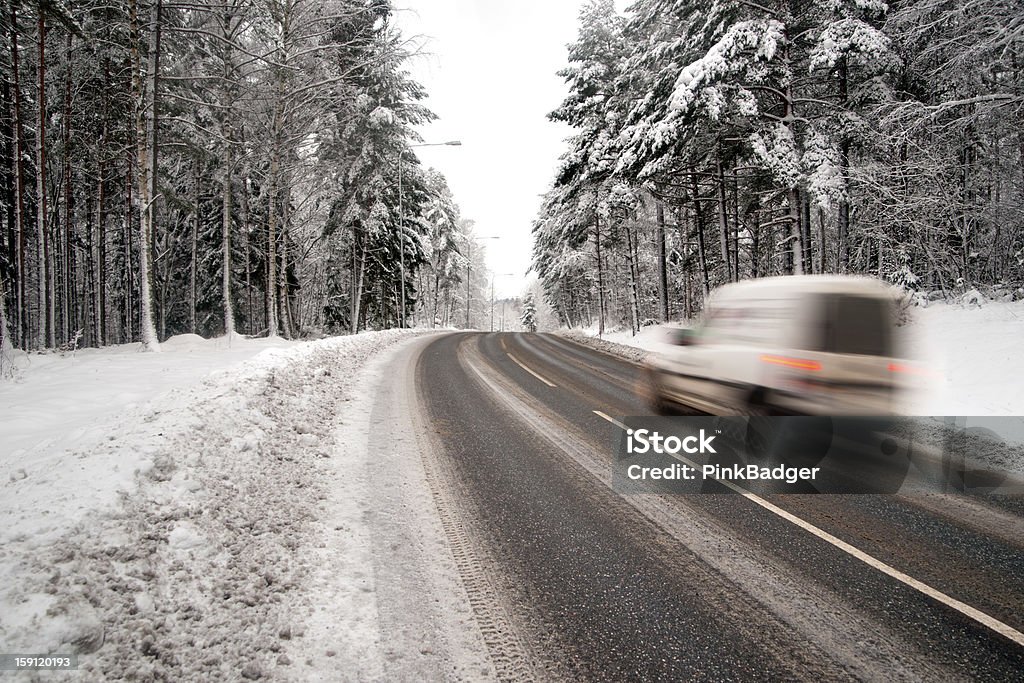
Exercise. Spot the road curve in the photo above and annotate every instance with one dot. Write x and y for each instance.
(576, 581)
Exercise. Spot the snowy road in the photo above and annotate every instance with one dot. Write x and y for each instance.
(577, 581)
(408, 506)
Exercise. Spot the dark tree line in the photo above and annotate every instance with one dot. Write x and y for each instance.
(214, 168)
(717, 141)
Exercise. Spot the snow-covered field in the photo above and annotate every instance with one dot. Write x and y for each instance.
(153, 505)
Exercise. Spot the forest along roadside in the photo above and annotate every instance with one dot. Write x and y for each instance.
(202, 569)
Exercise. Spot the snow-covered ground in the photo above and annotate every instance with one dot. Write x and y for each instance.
(75, 429)
(163, 514)
(977, 356)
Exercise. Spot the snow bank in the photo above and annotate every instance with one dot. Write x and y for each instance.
(975, 349)
(620, 344)
(76, 429)
(191, 574)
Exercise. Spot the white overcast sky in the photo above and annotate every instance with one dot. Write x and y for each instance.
(489, 68)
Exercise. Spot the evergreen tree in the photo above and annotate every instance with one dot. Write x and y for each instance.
(528, 319)
(716, 141)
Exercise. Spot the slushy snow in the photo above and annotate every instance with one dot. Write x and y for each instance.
(161, 514)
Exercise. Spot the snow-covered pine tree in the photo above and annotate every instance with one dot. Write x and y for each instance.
(528, 319)
(444, 267)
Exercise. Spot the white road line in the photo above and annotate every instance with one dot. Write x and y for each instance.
(517, 362)
(977, 615)
(985, 620)
(611, 419)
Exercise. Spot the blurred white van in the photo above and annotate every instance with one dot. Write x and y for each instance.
(793, 345)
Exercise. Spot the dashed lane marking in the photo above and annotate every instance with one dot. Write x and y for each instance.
(520, 364)
(611, 419)
(977, 615)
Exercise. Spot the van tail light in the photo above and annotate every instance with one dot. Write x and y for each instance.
(795, 363)
(905, 369)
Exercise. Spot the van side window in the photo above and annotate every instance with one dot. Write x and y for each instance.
(856, 325)
(753, 322)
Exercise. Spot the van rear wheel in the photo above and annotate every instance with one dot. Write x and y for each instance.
(667, 408)
(761, 429)
(759, 404)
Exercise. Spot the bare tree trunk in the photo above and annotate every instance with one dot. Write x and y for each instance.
(357, 290)
(129, 267)
(723, 219)
(843, 221)
(272, 200)
(681, 221)
(146, 153)
(600, 278)
(437, 288)
(229, 311)
(287, 315)
(69, 295)
(164, 287)
(793, 196)
(633, 277)
(736, 225)
(24, 316)
(7, 174)
(822, 261)
(101, 220)
(701, 249)
(227, 34)
(805, 225)
(662, 262)
(796, 267)
(637, 273)
(194, 243)
(6, 346)
(246, 245)
(94, 231)
(44, 291)
(755, 246)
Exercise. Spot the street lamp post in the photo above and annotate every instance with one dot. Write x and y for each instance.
(469, 264)
(401, 224)
(493, 275)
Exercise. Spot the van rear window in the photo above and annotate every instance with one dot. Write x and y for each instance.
(855, 325)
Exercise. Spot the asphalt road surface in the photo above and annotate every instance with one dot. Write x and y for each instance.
(571, 580)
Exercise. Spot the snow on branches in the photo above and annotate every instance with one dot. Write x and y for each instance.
(745, 44)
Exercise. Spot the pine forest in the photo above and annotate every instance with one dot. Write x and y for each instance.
(718, 140)
(218, 168)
